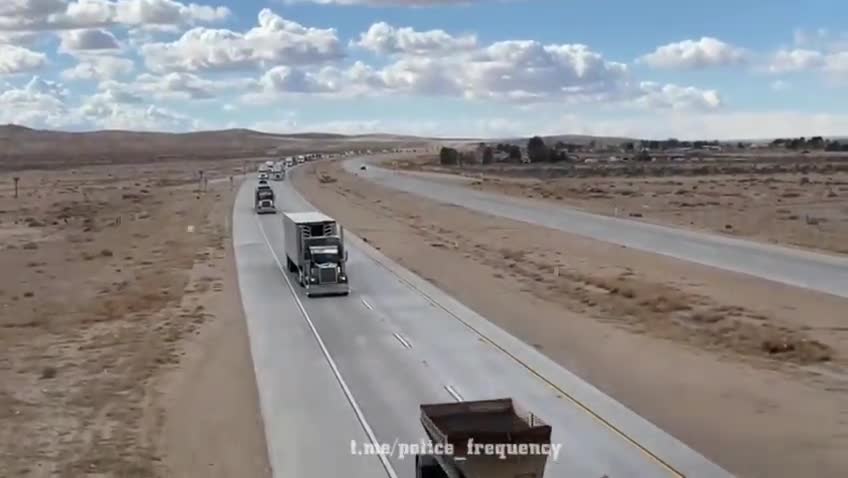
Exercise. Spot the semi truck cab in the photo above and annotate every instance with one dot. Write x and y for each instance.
(264, 200)
(315, 251)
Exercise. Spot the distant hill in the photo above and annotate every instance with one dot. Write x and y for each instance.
(22, 147)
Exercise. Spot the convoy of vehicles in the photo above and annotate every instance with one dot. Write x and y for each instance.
(315, 251)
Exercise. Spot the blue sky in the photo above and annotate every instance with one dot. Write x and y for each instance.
(714, 70)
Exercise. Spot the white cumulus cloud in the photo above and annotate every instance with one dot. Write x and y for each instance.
(391, 3)
(88, 40)
(16, 59)
(786, 61)
(99, 67)
(274, 41)
(62, 14)
(694, 54)
(385, 39)
(40, 103)
(656, 96)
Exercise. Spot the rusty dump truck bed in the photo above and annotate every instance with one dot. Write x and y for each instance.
(495, 422)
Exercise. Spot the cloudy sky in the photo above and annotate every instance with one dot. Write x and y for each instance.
(650, 68)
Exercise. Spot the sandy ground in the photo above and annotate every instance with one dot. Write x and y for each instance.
(122, 345)
(786, 202)
(748, 372)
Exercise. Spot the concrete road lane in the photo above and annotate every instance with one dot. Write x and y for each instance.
(821, 272)
(308, 420)
(399, 342)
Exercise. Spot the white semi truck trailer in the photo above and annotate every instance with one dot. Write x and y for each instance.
(315, 252)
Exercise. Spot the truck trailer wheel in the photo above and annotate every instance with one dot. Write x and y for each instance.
(427, 467)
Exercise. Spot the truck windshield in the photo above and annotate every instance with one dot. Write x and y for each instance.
(325, 255)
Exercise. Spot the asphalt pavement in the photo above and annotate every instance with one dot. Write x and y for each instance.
(337, 373)
(820, 272)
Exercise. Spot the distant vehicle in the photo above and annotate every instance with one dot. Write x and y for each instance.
(264, 200)
(289, 162)
(483, 421)
(315, 251)
(362, 167)
(263, 176)
(278, 172)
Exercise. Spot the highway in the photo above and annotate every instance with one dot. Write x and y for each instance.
(821, 272)
(334, 371)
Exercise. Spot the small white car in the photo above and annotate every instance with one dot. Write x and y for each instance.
(263, 176)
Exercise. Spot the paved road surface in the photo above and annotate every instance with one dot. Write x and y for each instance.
(336, 369)
(825, 273)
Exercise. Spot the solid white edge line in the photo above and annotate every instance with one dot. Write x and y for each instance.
(456, 396)
(359, 415)
(402, 340)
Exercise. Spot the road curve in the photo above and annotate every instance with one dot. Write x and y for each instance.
(340, 369)
(820, 272)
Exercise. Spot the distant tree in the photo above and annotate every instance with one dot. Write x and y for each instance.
(448, 156)
(741, 145)
(642, 155)
(488, 155)
(628, 146)
(797, 143)
(514, 153)
(834, 146)
(537, 150)
(816, 142)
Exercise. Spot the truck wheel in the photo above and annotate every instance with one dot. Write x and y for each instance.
(427, 467)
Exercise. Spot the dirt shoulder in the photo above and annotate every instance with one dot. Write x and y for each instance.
(746, 371)
(120, 323)
(793, 202)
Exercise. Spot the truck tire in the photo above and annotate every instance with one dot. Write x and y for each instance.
(427, 467)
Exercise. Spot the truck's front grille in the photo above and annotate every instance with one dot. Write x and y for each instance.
(327, 276)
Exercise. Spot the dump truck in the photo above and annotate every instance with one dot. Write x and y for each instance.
(264, 200)
(315, 252)
(466, 428)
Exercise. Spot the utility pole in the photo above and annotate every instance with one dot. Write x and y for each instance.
(200, 177)
(16, 179)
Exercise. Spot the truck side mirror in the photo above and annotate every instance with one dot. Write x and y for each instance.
(345, 256)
